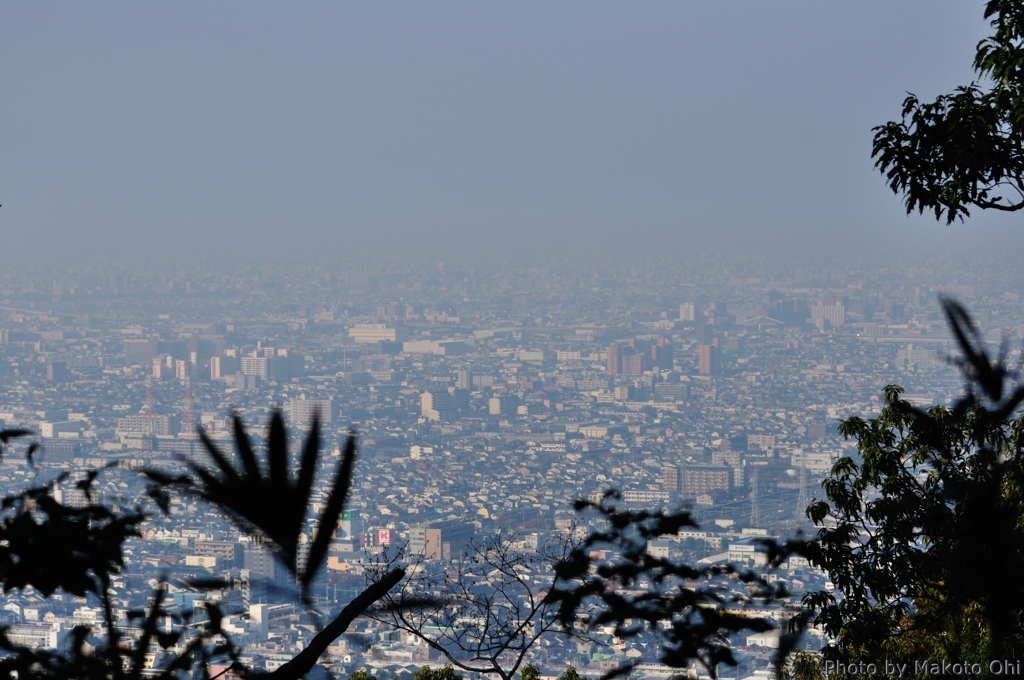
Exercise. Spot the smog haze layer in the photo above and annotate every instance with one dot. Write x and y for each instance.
(322, 130)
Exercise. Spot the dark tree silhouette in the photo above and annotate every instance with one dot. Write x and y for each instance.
(923, 534)
(965, 149)
(445, 672)
(361, 674)
(685, 610)
(529, 672)
(572, 674)
(47, 546)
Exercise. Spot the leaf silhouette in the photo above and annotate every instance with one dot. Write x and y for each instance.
(6, 435)
(31, 452)
(271, 503)
(9, 434)
(329, 518)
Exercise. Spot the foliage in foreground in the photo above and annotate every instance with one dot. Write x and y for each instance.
(47, 546)
(923, 533)
(689, 611)
(965, 149)
(445, 672)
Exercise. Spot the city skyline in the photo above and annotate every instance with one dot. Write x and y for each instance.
(480, 282)
(487, 401)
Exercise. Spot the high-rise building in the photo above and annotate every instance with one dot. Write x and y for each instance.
(289, 364)
(697, 479)
(614, 360)
(426, 542)
(437, 404)
(461, 397)
(222, 367)
(632, 364)
(263, 579)
(661, 355)
(687, 312)
(148, 424)
(709, 359)
(463, 379)
(301, 410)
(207, 346)
(834, 314)
(57, 372)
(260, 562)
(262, 367)
(670, 478)
(372, 332)
(726, 457)
(226, 552)
(372, 363)
(177, 348)
(141, 352)
(442, 540)
(345, 526)
(269, 363)
(71, 496)
(504, 405)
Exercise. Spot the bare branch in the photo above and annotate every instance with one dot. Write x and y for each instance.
(487, 614)
(303, 662)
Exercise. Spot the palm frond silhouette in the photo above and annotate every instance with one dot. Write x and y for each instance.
(272, 503)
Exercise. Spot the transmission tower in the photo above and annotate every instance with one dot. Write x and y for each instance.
(801, 499)
(755, 510)
(148, 412)
(148, 406)
(188, 417)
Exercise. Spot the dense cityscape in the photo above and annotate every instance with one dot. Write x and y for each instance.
(517, 341)
(487, 398)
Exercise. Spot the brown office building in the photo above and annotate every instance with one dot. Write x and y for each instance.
(695, 480)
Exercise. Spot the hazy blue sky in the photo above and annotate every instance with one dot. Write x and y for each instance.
(291, 127)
